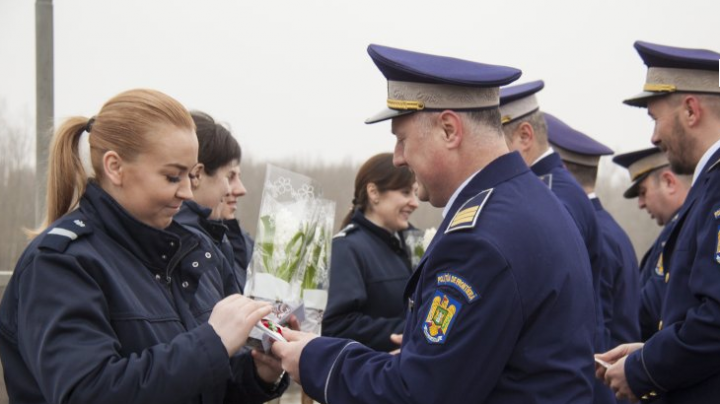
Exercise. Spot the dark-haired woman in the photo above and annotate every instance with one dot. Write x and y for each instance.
(369, 262)
(215, 182)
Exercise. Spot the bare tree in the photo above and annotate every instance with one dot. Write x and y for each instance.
(17, 181)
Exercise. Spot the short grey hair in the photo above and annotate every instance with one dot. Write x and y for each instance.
(536, 120)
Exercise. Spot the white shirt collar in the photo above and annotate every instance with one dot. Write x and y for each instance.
(456, 193)
(592, 195)
(548, 152)
(704, 160)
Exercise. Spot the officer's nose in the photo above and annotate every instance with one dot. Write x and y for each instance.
(240, 189)
(413, 202)
(184, 192)
(655, 138)
(398, 158)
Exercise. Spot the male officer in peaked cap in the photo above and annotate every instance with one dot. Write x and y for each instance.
(496, 308)
(661, 192)
(619, 283)
(526, 132)
(679, 363)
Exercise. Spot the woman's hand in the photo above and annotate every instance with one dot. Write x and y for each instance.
(234, 317)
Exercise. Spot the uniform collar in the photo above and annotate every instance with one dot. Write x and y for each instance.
(154, 247)
(388, 238)
(546, 164)
(596, 203)
(456, 193)
(498, 171)
(704, 160)
(197, 215)
(547, 152)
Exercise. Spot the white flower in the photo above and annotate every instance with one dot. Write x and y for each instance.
(428, 236)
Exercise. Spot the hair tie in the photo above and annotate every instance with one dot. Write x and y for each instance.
(84, 149)
(89, 125)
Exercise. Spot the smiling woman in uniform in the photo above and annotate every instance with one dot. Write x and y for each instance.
(369, 262)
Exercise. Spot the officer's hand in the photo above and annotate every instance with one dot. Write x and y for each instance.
(268, 367)
(289, 352)
(396, 339)
(613, 356)
(233, 317)
(615, 378)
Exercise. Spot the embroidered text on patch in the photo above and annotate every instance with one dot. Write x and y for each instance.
(440, 318)
(448, 279)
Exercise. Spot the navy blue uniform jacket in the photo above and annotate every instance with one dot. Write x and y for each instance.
(498, 309)
(652, 283)
(681, 362)
(104, 309)
(620, 281)
(242, 246)
(368, 272)
(552, 172)
(197, 217)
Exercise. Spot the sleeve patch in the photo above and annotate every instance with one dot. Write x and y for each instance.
(717, 248)
(440, 318)
(660, 268)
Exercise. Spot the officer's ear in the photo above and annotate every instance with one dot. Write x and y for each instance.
(525, 134)
(692, 110)
(113, 167)
(195, 175)
(452, 127)
(373, 193)
(669, 181)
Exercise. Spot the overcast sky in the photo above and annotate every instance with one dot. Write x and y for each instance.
(293, 78)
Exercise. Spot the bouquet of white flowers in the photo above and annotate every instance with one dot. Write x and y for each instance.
(289, 264)
(417, 241)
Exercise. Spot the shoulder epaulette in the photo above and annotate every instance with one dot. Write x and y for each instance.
(466, 217)
(63, 233)
(546, 179)
(346, 230)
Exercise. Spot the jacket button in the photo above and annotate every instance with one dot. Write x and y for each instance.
(667, 277)
(164, 257)
(208, 255)
(185, 284)
(172, 244)
(158, 277)
(195, 264)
